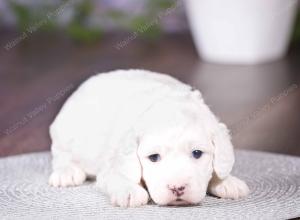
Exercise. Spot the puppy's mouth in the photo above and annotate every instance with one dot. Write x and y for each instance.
(179, 201)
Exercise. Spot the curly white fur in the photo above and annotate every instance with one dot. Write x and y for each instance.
(114, 121)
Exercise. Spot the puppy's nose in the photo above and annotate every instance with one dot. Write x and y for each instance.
(177, 190)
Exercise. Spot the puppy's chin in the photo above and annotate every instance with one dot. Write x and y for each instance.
(177, 202)
(181, 201)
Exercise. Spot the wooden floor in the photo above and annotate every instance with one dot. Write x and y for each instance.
(261, 104)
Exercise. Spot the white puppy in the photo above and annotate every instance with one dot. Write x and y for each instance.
(136, 131)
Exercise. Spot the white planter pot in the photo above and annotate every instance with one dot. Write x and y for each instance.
(241, 31)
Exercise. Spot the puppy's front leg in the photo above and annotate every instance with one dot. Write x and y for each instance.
(121, 190)
(229, 188)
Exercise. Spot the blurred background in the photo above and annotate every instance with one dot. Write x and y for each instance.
(243, 55)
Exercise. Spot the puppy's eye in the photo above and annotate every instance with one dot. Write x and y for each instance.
(154, 157)
(197, 154)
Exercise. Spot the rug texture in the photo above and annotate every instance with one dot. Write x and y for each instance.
(274, 181)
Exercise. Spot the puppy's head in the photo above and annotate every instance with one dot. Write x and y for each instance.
(176, 166)
(177, 162)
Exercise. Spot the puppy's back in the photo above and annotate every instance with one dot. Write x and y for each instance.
(107, 105)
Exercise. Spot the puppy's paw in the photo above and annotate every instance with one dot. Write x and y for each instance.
(69, 176)
(229, 188)
(129, 196)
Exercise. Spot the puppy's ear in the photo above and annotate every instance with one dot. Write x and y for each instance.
(223, 151)
(128, 161)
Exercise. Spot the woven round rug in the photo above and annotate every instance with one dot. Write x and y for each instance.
(274, 181)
